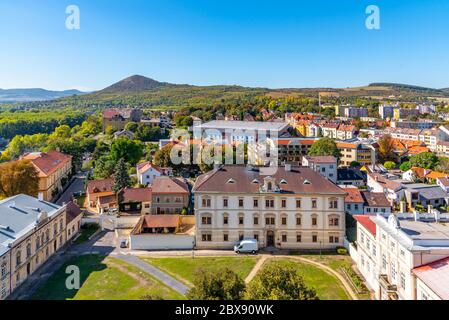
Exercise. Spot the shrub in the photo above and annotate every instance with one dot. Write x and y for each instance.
(342, 251)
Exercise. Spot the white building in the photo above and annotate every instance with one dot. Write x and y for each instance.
(146, 172)
(324, 165)
(283, 207)
(390, 249)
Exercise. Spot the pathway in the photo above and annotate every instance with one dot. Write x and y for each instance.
(256, 268)
(155, 272)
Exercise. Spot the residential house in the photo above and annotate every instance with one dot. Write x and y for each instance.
(100, 195)
(329, 130)
(147, 172)
(351, 177)
(443, 183)
(375, 202)
(425, 195)
(354, 201)
(324, 165)
(391, 186)
(31, 231)
(169, 195)
(346, 132)
(284, 207)
(118, 118)
(73, 220)
(53, 168)
(134, 201)
(124, 134)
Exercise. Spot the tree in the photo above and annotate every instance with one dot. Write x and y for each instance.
(162, 156)
(224, 284)
(426, 160)
(386, 148)
(354, 164)
(443, 165)
(129, 150)
(406, 166)
(325, 147)
(277, 281)
(18, 177)
(132, 126)
(121, 176)
(389, 165)
(104, 167)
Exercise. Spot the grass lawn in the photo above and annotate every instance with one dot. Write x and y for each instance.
(105, 279)
(86, 232)
(184, 268)
(327, 286)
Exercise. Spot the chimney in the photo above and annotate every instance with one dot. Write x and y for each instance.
(416, 215)
(403, 207)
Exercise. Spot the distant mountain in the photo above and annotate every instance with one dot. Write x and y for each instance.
(410, 88)
(35, 94)
(134, 83)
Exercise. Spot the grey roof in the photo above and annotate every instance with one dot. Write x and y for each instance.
(245, 125)
(350, 174)
(428, 192)
(19, 215)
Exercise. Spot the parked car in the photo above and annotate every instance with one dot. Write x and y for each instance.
(79, 194)
(247, 246)
(124, 243)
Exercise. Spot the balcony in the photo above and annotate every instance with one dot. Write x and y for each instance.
(389, 291)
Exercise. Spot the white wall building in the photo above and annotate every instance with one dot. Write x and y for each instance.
(324, 165)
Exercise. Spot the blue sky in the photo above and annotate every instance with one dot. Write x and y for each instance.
(252, 43)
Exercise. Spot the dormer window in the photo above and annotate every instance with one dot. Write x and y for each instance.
(269, 186)
(307, 182)
(255, 181)
(283, 181)
(231, 180)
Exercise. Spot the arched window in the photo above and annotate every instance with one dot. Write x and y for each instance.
(206, 219)
(19, 258)
(28, 250)
(241, 218)
(225, 219)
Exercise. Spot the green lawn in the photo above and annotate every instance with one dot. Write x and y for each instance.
(184, 268)
(105, 279)
(327, 286)
(86, 232)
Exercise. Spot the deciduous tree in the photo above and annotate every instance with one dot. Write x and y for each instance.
(18, 177)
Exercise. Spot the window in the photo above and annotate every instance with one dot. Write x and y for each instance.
(374, 250)
(298, 238)
(298, 221)
(314, 221)
(225, 237)
(207, 220)
(270, 221)
(256, 236)
(333, 239)
(333, 204)
(256, 220)
(241, 236)
(314, 204)
(284, 238)
(334, 222)
(269, 203)
(225, 202)
(314, 238)
(28, 250)
(206, 202)
(402, 280)
(225, 219)
(284, 221)
(147, 205)
(393, 271)
(284, 203)
(298, 203)
(384, 262)
(240, 203)
(255, 203)
(206, 237)
(241, 219)
(19, 258)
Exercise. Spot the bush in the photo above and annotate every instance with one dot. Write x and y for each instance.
(342, 251)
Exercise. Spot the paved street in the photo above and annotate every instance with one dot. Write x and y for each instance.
(77, 185)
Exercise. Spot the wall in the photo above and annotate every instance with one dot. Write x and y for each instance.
(161, 242)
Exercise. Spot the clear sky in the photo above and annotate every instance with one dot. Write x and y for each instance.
(247, 42)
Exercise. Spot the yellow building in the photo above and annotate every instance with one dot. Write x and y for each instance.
(52, 167)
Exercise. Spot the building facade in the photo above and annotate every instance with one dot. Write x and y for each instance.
(283, 207)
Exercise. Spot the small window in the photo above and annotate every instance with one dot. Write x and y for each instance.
(225, 203)
(314, 238)
(206, 237)
(298, 203)
(240, 203)
(206, 220)
(256, 220)
(314, 204)
(225, 237)
(314, 221)
(298, 221)
(298, 238)
(284, 203)
(284, 221)
(241, 219)
(284, 238)
(225, 220)
(255, 203)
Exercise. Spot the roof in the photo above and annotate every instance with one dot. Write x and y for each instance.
(124, 113)
(145, 166)
(444, 181)
(20, 214)
(47, 162)
(423, 230)
(321, 159)
(436, 175)
(385, 182)
(135, 195)
(109, 199)
(242, 179)
(244, 125)
(375, 199)
(367, 223)
(73, 211)
(161, 221)
(349, 174)
(436, 276)
(344, 127)
(354, 196)
(95, 186)
(432, 192)
(169, 185)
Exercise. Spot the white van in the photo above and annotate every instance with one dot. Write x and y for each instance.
(247, 246)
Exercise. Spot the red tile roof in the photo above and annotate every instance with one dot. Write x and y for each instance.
(375, 199)
(72, 211)
(169, 185)
(96, 186)
(444, 181)
(135, 195)
(161, 221)
(321, 159)
(47, 163)
(354, 196)
(436, 276)
(367, 223)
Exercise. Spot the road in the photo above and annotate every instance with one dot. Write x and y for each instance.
(77, 185)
